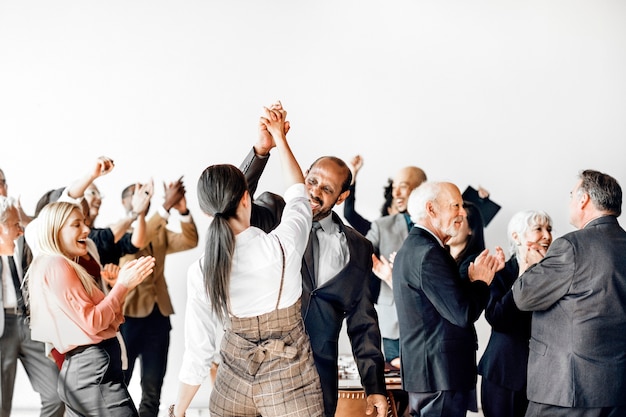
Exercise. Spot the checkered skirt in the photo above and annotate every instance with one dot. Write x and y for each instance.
(267, 368)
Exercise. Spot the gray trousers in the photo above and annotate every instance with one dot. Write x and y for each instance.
(91, 382)
(537, 409)
(42, 372)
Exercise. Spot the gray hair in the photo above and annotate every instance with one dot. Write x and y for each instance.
(521, 222)
(604, 191)
(425, 192)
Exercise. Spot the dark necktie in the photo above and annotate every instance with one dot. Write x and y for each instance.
(17, 285)
(315, 245)
(409, 222)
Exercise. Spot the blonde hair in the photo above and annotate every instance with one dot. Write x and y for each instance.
(48, 225)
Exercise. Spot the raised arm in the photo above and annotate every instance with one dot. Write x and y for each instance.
(274, 121)
(360, 223)
(139, 203)
(102, 166)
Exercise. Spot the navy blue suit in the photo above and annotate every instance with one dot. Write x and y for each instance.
(437, 309)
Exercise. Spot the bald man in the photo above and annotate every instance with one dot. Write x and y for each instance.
(387, 235)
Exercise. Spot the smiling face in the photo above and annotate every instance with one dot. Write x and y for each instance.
(447, 212)
(539, 232)
(405, 181)
(73, 235)
(94, 199)
(463, 234)
(324, 182)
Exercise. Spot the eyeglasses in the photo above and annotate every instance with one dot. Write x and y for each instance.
(94, 193)
(3, 182)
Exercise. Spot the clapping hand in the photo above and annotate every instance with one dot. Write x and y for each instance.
(134, 272)
(486, 265)
(109, 273)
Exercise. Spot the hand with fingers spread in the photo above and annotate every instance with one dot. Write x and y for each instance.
(141, 197)
(134, 272)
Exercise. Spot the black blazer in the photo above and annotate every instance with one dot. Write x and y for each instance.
(436, 312)
(505, 359)
(346, 296)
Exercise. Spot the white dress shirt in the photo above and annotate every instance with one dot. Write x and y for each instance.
(333, 250)
(254, 283)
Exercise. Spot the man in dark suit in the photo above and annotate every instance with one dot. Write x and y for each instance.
(436, 307)
(15, 338)
(577, 292)
(340, 288)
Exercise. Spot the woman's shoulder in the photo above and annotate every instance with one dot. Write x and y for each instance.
(51, 262)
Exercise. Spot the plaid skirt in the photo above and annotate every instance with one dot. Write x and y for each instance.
(267, 368)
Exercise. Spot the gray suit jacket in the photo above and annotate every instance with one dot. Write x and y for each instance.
(578, 339)
(387, 235)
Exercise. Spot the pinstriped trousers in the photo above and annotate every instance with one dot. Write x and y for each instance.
(267, 368)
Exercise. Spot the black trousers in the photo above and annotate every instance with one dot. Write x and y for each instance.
(439, 403)
(91, 382)
(148, 339)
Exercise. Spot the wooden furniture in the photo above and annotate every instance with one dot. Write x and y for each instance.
(352, 403)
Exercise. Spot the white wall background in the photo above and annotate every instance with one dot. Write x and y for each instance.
(516, 96)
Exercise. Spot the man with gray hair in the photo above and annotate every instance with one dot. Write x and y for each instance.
(436, 307)
(577, 293)
(15, 340)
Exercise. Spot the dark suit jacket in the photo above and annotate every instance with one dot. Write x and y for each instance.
(578, 339)
(436, 312)
(506, 356)
(346, 296)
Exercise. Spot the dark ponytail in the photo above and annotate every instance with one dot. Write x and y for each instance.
(220, 189)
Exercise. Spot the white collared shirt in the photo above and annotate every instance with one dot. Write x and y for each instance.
(333, 250)
(9, 300)
(254, 283)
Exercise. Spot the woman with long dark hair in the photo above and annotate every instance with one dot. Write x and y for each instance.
(250, 281)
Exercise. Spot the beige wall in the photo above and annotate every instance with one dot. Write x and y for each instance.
(516, 96)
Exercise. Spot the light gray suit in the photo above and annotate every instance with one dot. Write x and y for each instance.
(387, 235)
(578, 297)
(15, 342)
